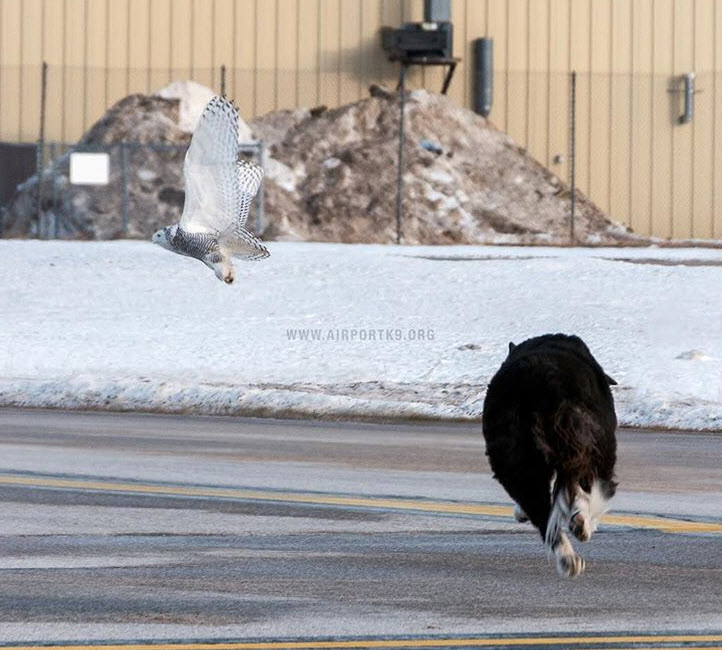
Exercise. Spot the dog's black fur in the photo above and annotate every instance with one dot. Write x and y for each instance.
(549, 414)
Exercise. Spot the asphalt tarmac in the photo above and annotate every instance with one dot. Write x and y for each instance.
(262, 534)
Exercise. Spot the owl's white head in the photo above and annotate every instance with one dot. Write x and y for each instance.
(162, 237)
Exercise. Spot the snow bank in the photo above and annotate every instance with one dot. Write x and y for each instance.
(332, 330)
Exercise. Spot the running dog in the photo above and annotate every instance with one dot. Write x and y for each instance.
(549, 425)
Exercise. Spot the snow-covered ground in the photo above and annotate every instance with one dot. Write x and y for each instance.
(404, 331)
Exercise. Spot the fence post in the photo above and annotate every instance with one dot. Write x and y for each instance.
(40, 153)
(53, 154)
(124, 183)
(261, 203)
(402, 137)
(573, 155)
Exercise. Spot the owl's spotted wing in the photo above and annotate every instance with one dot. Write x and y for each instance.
(240, 243)
(219, 188)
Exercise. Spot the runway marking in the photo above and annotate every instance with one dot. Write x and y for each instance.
(633, 642)
(663, 524)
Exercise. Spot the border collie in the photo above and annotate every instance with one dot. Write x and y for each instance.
(549, 425)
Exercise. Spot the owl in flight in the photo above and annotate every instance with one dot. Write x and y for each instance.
(219, 189)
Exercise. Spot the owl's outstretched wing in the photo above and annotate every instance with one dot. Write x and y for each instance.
(219, 188)
(240, 243)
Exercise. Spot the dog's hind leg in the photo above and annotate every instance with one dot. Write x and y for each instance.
(569, 564)
(580, 516)
(531, 491)
(588, 507)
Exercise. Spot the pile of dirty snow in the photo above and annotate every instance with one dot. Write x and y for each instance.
(333, 177)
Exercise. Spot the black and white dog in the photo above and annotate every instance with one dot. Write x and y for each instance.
(549, 425)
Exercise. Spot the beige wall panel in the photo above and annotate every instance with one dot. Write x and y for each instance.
(74, 89)
(558, 106)
(663, 117)
(266, 61)
(580, 52)
(378, 14)
(682, 134)
(329, 54)
(620, 112)
(244, 75)
(95, 70)
(202, 33)
(53, 52)
(11, 23)
(496, 29)
(476, 12)
(517, 78)
(641, 128)
(53, 33)
(538, 91)
(160, 30)
(350, 81)
(10, 84)
(75, 27)
(117, 24)
(703, 124)
(30, 80)
(308, 53)
(139, 46)
(223, 26)
(717, 123)
(287, 52)
(371, 57)
(599, 125)
(457, 89)
(180, 39)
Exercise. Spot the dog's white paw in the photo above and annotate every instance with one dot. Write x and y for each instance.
(570, 566)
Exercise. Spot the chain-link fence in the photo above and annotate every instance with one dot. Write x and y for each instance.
(633, 155)
(144, 191)
(647, 148)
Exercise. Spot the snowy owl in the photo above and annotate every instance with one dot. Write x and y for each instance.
(219, 189)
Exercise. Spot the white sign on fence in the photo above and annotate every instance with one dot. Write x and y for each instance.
(89, 168)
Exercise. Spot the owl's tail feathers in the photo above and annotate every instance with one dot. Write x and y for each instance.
(242, 244)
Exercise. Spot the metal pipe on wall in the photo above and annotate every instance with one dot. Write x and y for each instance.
(483, 75)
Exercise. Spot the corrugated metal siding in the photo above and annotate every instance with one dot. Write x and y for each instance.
(633, 160)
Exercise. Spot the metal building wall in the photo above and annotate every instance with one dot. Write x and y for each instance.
(633, 159)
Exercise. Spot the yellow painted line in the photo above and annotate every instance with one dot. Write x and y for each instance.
(263, 495)
(401, 643)
(387, 503)
(663, 524)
